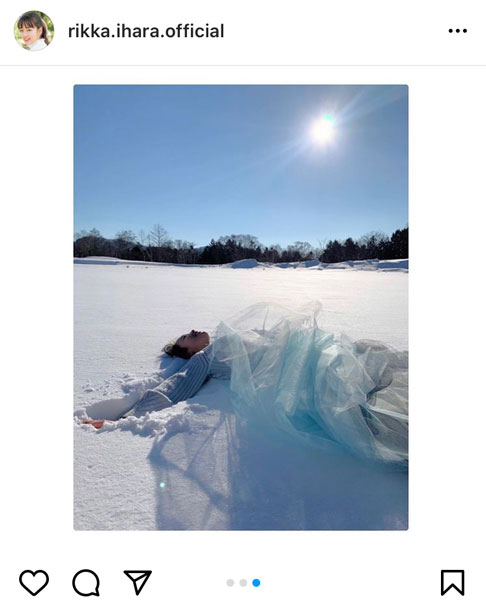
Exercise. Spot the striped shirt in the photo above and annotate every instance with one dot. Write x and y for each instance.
(178, 387)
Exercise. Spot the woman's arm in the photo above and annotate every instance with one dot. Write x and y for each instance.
(178, 387)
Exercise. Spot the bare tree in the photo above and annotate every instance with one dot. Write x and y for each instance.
(244, 240)
(304, 249)
(184, 252)
(145, 247)
(273, 253)
(89, 243)
(321, 246)
(80, 234)
(126, 235)
(124, 243)
(372, 242)
(158, 236)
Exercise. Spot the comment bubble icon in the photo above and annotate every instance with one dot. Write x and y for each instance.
(86, 583)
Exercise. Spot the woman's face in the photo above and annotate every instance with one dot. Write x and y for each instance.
(194, 341)
(30, 34)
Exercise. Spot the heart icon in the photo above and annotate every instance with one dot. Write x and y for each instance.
(34, 581)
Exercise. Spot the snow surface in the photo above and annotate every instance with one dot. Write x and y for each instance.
(216, 473)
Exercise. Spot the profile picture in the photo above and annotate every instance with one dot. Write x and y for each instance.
(34, 30)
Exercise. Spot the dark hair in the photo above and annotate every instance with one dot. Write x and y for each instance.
(173, 349)
(33, 19)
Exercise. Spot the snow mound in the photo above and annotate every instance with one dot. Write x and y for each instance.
(97, 260)
(349, 264)
(176, 419)
(246, 263)
(401, 263)
(310, 263)
(107, 260)
(373, 264)
(306, 264)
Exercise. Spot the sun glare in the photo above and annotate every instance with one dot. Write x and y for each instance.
(323, 129)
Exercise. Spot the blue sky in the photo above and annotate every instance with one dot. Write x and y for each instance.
(207, 161)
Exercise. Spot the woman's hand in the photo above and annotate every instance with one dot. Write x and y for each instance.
(98, 424)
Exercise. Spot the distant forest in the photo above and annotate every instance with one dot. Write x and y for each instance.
(157, 246)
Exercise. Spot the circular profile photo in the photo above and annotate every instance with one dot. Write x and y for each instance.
(34, 30)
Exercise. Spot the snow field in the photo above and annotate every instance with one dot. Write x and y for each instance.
(216, 473)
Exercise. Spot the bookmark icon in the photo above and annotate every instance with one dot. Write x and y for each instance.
(139, 579)
(452, 580)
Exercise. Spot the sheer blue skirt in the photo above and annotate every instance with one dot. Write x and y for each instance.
(288, 374)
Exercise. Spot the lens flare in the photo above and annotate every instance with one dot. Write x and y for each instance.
(323, 129)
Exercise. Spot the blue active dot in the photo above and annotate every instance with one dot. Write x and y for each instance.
(256, 582)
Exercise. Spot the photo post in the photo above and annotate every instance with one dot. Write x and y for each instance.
(241, 267)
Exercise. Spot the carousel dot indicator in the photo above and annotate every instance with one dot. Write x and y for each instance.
(162, 484)
(256, 582)
(230, 583)
(243, 582)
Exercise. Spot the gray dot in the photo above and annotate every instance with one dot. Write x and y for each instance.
(230, 583)
(243, 582)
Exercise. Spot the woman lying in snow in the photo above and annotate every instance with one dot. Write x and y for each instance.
(286, 372)
(181, 385)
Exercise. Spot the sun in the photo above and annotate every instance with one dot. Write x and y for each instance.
(323, 129)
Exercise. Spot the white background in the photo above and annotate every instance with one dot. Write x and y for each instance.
(447, 193)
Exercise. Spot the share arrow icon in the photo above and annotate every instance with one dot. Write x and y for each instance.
(138, 578)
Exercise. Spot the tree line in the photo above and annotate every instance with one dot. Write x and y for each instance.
(157, 246)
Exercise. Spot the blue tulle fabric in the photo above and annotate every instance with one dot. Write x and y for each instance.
(290, 374)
